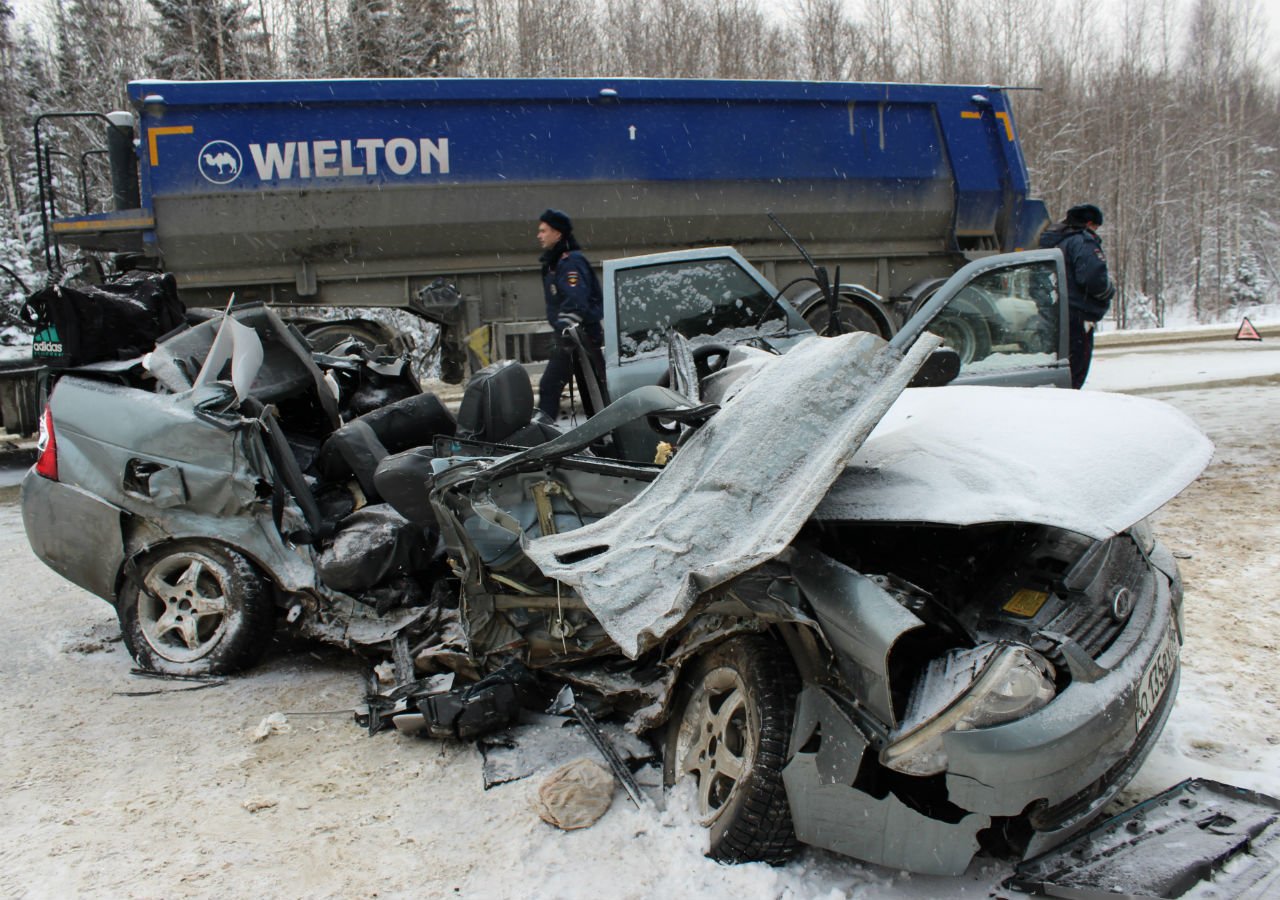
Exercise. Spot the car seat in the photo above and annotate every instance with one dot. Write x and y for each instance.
(496, 408)
(360, 445)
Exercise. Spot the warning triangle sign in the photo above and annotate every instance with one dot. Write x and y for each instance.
(1247, 332)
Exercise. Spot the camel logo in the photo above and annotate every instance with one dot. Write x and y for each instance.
(220, 162)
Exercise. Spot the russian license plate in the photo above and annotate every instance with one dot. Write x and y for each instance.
(1156, 678)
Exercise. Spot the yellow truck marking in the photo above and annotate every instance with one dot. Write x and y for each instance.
(153, 133)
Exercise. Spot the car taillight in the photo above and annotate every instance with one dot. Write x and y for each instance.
(47, 447)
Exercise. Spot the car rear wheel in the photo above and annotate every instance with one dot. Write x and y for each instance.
(195, 609)
(729, 731)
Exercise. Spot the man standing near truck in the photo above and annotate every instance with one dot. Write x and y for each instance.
(575, 307)
(1089, 287)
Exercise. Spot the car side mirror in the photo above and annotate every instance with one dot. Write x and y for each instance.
(942, 366)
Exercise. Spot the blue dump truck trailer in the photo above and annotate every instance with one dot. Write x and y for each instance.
(374, 193)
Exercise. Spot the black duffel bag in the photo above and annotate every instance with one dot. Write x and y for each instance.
(84, 323)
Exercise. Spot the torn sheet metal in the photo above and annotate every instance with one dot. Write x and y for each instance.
(1089, 462)
(239, 344)
(849, 821)
(739, 490)
(1198, 839)
(860, 620)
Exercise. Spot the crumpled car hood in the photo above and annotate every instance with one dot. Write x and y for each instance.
(738, 492)
(1089, 462)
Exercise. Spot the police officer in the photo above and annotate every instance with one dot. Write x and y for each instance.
(1089, 287)
(574, 302)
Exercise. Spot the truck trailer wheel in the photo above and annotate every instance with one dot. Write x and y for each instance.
(852, 318)
(370, 335)
(968, 335)
(195, 608)
(729, 731)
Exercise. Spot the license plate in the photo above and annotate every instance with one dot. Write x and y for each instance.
(1157, 676)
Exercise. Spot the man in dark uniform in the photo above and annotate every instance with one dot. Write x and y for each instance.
(574, 301)
(1089, 287)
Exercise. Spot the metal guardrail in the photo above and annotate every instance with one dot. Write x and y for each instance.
(1178, 335)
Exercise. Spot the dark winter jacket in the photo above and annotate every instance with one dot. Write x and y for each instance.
(1089, 287)
(571, 287)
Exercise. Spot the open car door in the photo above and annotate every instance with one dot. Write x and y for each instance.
(1006, 317)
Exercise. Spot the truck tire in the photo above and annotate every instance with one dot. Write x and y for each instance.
(853, 317)
(968, 335)
(369, 335)
(731, 722)
(195, 608)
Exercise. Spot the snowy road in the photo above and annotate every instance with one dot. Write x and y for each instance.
(1152, 367)
(115, 786)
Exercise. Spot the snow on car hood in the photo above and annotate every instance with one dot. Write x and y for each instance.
(1089, 462)
(738, 492)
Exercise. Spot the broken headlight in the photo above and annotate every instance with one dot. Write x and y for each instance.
(967, 688)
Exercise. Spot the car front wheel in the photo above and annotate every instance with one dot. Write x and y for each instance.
(728, 733)
(195, 609)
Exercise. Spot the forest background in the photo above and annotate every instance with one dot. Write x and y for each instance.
(1165, 113)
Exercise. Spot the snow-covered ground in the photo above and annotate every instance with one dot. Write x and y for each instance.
(111, 794)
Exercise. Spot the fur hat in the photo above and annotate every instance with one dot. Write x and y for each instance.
(1083, 214)
(557, 220)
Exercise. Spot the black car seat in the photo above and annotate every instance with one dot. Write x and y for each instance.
(360, 445)
(497, 407)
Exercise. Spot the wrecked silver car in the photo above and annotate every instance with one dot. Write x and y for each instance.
(897, 623)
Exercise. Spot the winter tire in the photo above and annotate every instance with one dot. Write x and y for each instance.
(729, 730)
(195, 608)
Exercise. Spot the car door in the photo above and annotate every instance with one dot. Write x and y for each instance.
(1006, 316)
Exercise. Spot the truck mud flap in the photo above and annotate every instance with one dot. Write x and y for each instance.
(1196, 831)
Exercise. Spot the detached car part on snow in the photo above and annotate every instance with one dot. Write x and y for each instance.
(894, 623)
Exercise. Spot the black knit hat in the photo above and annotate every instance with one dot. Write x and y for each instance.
(1084, 214)
(557, 220)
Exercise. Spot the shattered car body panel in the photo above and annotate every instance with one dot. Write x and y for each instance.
(138, 437)
(217, 472)
(1056, 767)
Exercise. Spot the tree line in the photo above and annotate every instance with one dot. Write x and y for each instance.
(1163, 113)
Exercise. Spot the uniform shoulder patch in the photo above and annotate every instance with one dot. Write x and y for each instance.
(573, 279)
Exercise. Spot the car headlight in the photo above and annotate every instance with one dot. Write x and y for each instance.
(970, 688)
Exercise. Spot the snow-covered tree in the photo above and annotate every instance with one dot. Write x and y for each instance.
(404, 38)
(1248, 285)
(210, 39)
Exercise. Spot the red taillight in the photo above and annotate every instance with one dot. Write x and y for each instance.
(47, 447)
